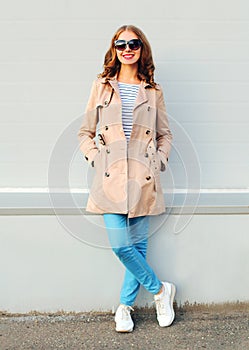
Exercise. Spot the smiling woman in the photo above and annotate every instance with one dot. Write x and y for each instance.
(135, 141)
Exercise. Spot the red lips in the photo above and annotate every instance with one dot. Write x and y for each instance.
(128, 56)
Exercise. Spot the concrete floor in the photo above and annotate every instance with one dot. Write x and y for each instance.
(195, 327)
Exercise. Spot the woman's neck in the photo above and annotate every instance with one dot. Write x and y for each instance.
(128, 74)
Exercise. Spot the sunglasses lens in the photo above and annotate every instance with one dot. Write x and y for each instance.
(120, 45)
(134, 44)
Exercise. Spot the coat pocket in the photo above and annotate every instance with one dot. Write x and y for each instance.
(153, 156)
(100, 160)
(153, 165)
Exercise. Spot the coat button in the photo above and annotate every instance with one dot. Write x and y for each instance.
(148, 178)
(147, 132)
(107, 174)
(108, 151)
(106, 103)
(148, 108)
(106, 127)
(146, 155)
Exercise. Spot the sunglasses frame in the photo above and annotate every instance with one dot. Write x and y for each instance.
(125, 42)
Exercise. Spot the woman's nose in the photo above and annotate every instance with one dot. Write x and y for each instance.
(127, 49)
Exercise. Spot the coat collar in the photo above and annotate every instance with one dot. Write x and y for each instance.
(142, 94)
(114, 82)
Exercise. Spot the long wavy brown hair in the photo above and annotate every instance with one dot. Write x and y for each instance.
(145, 63)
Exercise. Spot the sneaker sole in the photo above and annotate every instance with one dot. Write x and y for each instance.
(172, 297)
(124, 330)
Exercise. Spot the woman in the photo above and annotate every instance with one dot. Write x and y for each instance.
(134, 142)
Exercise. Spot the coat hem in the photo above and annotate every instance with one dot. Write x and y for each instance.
(101, 212)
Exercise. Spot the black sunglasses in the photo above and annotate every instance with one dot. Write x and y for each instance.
(134, 44)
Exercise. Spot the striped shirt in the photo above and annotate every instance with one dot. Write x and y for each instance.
(128, 94)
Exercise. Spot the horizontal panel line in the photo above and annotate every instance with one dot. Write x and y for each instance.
(174, 42)
(41, 82)
(167, 81)
(24, 103)
(184, 201)
(170, 210)
(187, 61)
(77, 61)
(47, 101)
(84, 191)
(65, 84)
(62, 122)
(225, 122)
(100, 20)
(194, 103)
(206, 102)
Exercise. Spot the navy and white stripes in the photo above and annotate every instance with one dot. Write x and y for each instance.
(128, 94)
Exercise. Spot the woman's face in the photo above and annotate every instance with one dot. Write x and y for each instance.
(128, 56)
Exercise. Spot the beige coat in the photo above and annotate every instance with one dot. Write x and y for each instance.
(127, 178)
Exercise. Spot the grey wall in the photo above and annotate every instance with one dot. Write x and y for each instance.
(45, 268)
(52, 50)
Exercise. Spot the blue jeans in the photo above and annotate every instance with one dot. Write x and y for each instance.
(128, 238)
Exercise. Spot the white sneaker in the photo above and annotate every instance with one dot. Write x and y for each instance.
(123, 319)
(164, 305)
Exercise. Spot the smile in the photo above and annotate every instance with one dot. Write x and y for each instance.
(128, 56)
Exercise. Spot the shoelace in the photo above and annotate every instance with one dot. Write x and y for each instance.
(126, 309)
(160, 306)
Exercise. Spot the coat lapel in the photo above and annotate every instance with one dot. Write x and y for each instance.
(142, 95)
(114, 85)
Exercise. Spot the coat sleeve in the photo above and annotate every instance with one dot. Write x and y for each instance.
(87, 130)
(163, 133)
